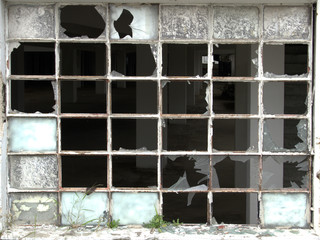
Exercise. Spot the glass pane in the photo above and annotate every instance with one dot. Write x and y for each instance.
(83, 134)
(32, 134)
(84, 171)
(184, 22)
(187, 207)
(235, 134)
(235, 172)
(185, 97)
(185, 172)
(138, 134)
(134, 97)
(134, 171)
(235, 98)
(184, 59)
(32, 96)
(83, 97)
(285, 172)
(185, 134)
(134, 208)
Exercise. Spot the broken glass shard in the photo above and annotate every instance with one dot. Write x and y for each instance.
(134, 171)
(285, 210)
(84, 171)
(184, 22)
(285, 172)
(74, 24)
(83, 134)
(81, 209)
(31, 21)
(34, 208)
(33, 172)
(133, 22)
(32, 134)
(32, 96)
(134, 208)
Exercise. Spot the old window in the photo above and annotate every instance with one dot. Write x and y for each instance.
(202, 113)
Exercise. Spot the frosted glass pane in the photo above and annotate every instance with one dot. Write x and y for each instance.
(285, 210)
(32, 134)
(134, 208)
(79, 208)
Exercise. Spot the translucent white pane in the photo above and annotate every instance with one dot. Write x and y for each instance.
(286, 22)
(235, 22)
(134, 208)
(32, 134)
(184, 22)
(134, 22)
(33, 172)
(79, 208)
(27, 21)
(285, 210)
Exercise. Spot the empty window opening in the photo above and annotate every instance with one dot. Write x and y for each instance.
(84, 171)
(33, 59)
(83, 97)
(83, 134)
(287, 59)
(85, 59)
(134, 97)
(134, 134)
(122, 24)
(184, 97)
(132, 59)
(32, 96)
(79, 21)
(134, 171)
(235, 60)
(184, 59)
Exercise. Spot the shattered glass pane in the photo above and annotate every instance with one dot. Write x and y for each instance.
(286, 22)
(235, 60)
(188, 97)
(84, 171)
(235, 22)
(235, 98)
(132, 59)
(83, 97)
(134, 171)
(32, 134)
(180, 206)
(134, 208)
(235, 134)
(235, 172)
(285, 60)
(74, 24)
(32, 96)
(185, 172)
(285, 172)
(285, 135)
(85, 59)
(184, 22)
(291, 97)
(177, 59)
(34, 208)
(134, 97)
(138, 134)
(33, 172)
(33, 59)
(235, 208)
(81, 209)
(28, 21)
(285, 210)
(185, 134)
(83, 134)
(134, 22)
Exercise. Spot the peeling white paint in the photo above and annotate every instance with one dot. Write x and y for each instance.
(43, 208)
